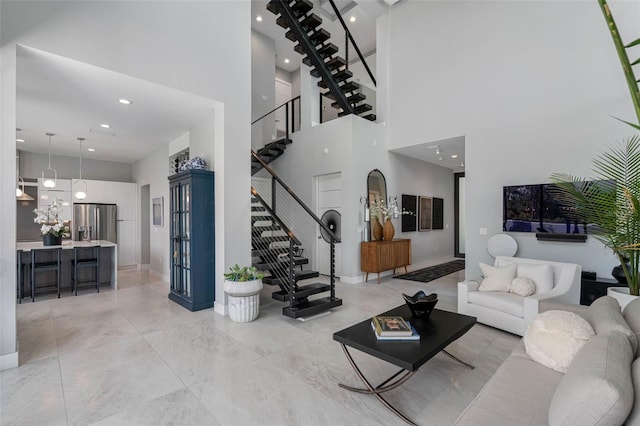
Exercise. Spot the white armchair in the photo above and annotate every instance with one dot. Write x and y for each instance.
(510, 312)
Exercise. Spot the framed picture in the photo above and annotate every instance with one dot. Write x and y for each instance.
(410, 205)
(157, 209)
(425, 213)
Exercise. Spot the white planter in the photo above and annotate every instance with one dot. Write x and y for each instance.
(244, 299)
(621, 294)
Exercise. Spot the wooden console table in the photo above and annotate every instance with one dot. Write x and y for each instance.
(378, 256)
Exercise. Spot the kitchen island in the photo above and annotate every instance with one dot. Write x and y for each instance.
(108, 262)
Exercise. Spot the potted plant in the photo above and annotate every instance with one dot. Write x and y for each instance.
(52, 229)
(243, 285)
(611, 204)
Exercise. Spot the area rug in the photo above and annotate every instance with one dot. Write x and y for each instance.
(433, 272)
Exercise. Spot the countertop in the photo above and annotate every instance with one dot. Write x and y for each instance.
(66, 244)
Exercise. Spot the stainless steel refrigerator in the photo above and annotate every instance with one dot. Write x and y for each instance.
(95, 222)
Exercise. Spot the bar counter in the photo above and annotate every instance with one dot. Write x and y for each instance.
(108, 262)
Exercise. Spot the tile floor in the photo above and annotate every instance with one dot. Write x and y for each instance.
(132, 357)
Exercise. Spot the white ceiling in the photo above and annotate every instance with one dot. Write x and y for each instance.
(71, 99)
(438, 152)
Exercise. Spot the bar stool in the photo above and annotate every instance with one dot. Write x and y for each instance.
(20, 275)
(51, 262)
(86, 257)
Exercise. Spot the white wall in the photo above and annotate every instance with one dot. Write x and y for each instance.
(185, 45)
(531, 85)
(263, 86)
(32, 164)
(355, 147)
(153, 170)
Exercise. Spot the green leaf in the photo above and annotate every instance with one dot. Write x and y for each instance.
(628, 122)
(633, 43)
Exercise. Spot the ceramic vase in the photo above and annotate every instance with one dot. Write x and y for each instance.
(51, 240)
(244, 299)
(376, 229)
(388, 231)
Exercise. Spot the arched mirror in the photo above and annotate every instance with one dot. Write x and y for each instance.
(376, 186)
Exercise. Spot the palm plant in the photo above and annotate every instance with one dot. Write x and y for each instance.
(611, 204)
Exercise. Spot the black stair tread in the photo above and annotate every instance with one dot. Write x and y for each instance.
(301, 7)
(280, 262)
(301, 292)
(291, 35)
(328, 49)
(343, 75)
(271, 7)
(349, 86)
(320, 36)
(355, 98)
(357, 110)
(313, 307)
(370, 117)
(332, 63)
(298, 48)
(282, 22)
(263, 228)
(258, 208)
(311, 21)
(297, 276)
(260, 218)
(271, 239)
(273, 251)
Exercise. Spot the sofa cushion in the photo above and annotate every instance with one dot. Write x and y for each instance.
(519, 393)
(522, 286)
(553, 338)
(542, 276)
(605, 315)
(508, 303)
(497, 279)
(631, 315)
(597, 387)
(634, 417)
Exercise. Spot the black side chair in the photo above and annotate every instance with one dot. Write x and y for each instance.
(86, 257)
(45, 260)
(20, 275)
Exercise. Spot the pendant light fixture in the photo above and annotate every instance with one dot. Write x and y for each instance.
(80, 187)
(21, 195)
(49, 182)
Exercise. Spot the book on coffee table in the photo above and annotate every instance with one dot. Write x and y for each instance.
(414, 334)
(391, 327)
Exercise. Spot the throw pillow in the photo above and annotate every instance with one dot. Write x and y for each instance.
(522, 286)
(605, 315)
(553, 338)
(497, 279)
(542, 276)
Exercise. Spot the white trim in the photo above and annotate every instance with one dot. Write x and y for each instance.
(9, 361)
(352, 280)
(220, 308)
(144, 266)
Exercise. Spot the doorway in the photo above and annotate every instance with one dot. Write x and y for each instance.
(283, 94)
(145, 226)
(459, 207)
(329, 196)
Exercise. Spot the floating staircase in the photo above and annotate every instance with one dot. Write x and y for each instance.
(303, 27)
(269, 153)
(277, 252)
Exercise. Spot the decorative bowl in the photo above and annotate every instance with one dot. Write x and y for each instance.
(420, 304)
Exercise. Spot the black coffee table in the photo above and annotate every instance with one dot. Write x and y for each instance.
(436, 333)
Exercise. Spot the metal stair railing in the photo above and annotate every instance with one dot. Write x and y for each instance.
(296, 221)
(270, 126)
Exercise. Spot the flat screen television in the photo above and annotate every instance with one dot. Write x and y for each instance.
(533, 208)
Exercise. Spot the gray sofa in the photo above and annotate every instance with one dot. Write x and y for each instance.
(597, 389)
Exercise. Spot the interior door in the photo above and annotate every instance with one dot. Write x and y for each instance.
(283, 94)
(459, 207)
(329, 197)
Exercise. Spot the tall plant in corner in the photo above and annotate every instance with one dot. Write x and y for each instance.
(612, 204)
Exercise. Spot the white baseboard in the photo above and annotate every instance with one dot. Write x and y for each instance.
(8, 361)
(144, 266)
(351, 280)
(220, 308)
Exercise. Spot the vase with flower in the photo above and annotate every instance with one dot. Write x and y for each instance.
(385, 211)
(52, 229)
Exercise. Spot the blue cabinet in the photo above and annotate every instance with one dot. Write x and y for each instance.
(192, 239)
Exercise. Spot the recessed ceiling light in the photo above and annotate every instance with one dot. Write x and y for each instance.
(440, 158)
(454, 155)
(19, 140)
(259, 18)
(352, 19)
(461, 164)
(105, 126)
(91, 149)
(124, 101)
(286, 60)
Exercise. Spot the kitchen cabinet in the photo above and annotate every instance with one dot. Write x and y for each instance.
(192, 235)
(124, 194)
(126, 242)
(62, 190)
